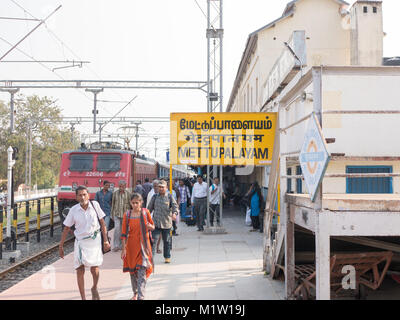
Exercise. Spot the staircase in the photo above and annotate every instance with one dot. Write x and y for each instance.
(273, 246)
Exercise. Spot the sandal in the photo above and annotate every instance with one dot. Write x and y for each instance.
(95, 294)
(134, 297)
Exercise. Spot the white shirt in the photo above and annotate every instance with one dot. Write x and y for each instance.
(85, 221)
(149, 196)
(199, 190)
(214, 198)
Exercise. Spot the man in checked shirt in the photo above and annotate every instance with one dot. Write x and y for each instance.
(165, 210)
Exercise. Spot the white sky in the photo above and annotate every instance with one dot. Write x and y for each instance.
(137, 40)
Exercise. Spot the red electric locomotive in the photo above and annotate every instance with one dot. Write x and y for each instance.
(92, 166)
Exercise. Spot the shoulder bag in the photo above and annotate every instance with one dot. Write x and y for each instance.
(101, 233)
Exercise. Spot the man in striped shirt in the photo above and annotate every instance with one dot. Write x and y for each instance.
(164, 209)
(185, 194)
(120, 204)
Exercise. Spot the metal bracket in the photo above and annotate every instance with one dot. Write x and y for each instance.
(215, 33)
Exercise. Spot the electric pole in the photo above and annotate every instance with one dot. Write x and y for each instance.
(100, 129)
(215, 34)
(10, 192)
(155, 146)
(12, 92)
(94, 111)
(72, 132)
(136, 124)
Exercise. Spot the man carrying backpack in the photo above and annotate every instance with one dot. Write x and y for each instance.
(165, 210)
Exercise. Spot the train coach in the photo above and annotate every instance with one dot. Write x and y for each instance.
(91, 166)
(177, 171)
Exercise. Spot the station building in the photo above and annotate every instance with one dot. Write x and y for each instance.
(351, 41)
(324, 58)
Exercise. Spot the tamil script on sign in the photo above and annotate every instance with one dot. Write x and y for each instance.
(222, 138)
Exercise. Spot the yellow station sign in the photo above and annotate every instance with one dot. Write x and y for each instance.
(231, 138)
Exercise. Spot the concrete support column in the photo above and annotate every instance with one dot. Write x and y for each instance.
(290, 284)
(322, 257)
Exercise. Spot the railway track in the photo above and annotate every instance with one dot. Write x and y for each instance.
(33, 258)
(32, 264)
(42, 228)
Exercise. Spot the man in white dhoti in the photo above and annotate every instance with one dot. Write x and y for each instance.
(86, 216)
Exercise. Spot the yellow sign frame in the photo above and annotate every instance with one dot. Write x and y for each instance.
(222, 138)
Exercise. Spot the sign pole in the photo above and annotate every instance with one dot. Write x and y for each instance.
(322, 237)
(221, 199)
(170, 178)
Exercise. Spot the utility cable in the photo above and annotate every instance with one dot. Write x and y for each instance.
(28, 34)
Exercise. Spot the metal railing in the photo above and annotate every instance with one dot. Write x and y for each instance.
(29, 205)
(30, 194)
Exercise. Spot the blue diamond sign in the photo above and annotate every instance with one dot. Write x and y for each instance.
(314, 157)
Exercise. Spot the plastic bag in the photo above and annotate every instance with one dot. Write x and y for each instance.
(248, 219)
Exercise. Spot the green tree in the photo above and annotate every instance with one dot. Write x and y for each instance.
(40, 118)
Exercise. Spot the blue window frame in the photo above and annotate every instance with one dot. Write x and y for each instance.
(289, 181)
(299, 185)
(369, 185)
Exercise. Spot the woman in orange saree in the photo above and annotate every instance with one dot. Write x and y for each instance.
(136, 247)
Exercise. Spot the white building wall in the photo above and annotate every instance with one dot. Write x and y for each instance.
(366, 33)
(328, 43)
(363, 89)
(356, 135)
(327, 36)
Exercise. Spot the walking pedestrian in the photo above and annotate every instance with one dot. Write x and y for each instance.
(139, 188)
(152, 192)
(185, 195)
(176, 183)
(104, 198)
(177, 197)
(199, 201)
(120, 204)
(165, 210)
(256, 205)
(136, 252)
(147, 187)
(215, 194)
(88, 220)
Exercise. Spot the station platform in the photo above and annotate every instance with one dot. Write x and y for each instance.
(203, 267)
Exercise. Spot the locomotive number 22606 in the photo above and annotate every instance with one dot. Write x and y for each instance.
(94, 174)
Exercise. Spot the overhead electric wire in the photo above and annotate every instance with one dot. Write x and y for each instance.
(27, 12)
(28, 34)
(155, 134)
(118, 112)
(64, 45)
(201, 9)
(37, 61)
(22, 19)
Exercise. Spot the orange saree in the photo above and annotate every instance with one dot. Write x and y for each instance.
(138, 248)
